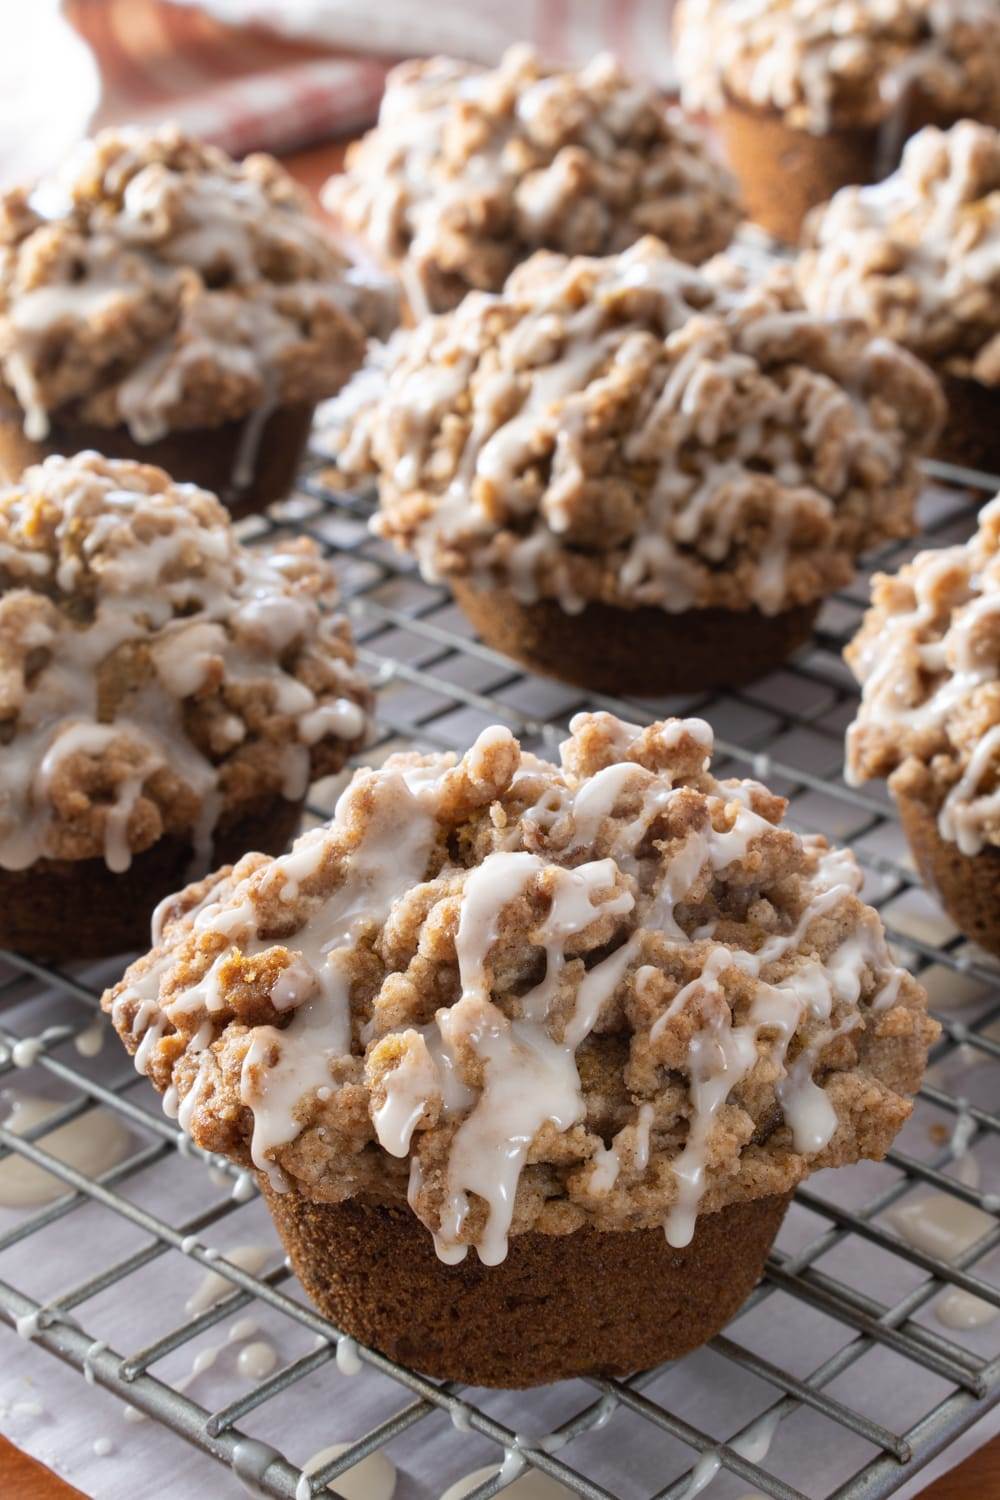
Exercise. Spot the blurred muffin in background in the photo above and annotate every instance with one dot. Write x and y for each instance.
(471, 169)
(160, 301)
(918, 257)
(166, 696)
(809, 95)
(637, 475)
(927, 657)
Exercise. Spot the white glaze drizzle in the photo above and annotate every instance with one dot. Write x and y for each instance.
(722, 360)
(924, 668)
(166, 238)
(93, 1143)
(372, 1478)
(529, 1077)
(237, 615)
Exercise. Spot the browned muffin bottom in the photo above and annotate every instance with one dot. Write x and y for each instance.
(784, 171)
(642, 651)
(635, 1300)
(971, 435)
(248, 463)
(967, 885)
(105, 912)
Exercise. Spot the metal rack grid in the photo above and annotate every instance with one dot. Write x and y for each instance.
(437, 687)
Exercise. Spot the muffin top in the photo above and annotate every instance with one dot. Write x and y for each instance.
(635, 431)
(159, 284)
(470, 169)
(918, 255)
(820, 64)
(156, 677)
(928, 660)
(521, 995)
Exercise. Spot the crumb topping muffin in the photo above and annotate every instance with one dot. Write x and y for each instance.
(155, 675)
(159, 285)
(820, 64)
(612, 992)
(928, 660)
(918, 255)
(633, 431)
(469, 170)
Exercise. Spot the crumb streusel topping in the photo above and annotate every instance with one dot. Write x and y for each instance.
(524, 996)
(636, 431)
(469, 170)
(918, 255)
(155, 675)
(826, 63)
(159, 284)
(927, 657)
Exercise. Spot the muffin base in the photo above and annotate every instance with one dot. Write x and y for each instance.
(645, 652)
(61, 909)
(588, 1303)
(967, 885)
(971, 434)
(784, 172)
(248, 464)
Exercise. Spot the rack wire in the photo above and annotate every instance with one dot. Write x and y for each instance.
(437, 687)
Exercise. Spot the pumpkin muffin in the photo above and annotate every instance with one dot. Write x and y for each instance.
(927, 657)
(918, 257)
(166, 696)
(809, 96)
(593, 1021)
(162, 302)
(640, 476)
(471, 169)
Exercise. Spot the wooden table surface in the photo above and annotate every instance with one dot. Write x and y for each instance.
(23, 1479)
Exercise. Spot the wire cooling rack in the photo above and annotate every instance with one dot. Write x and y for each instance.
(874, 1386)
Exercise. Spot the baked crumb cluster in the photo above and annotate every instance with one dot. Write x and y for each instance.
(531, 996)
(159, 284)
(918, 255)
(825, 63)
(469, 170)
(928, 660)
(156, 677)
(635, 431)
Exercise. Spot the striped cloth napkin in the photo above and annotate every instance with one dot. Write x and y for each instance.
(281, 74)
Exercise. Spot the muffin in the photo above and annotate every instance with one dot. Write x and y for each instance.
(161, 302)
(809, 96)
(639, 476)
(469, 170)
(927, 657)
(166, 695)
(918, 258)
(593, 1021)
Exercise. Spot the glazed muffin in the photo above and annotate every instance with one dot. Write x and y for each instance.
(927, 657)
(639, 476)
(470, 170)
(593, 1021)
(809, 96)
(166, 695)
(162, 302)
(918, 257)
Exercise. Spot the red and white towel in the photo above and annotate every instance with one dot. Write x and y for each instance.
(282, 74)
